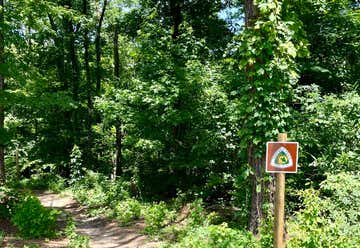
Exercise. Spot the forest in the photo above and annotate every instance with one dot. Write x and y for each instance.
(153, 116)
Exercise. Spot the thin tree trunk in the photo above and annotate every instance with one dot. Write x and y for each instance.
(60, 55)
(118, 126)
(118, 161)
(17, 163)
(175, 9)
(87, 58)
(74, 76)
(179, 129)
(75, 70)
(116, 53)
(89, 89)
(98, 48)
(2, 88)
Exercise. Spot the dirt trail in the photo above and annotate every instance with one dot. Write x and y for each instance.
(103, 233)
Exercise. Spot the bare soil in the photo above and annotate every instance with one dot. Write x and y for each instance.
(103, 232)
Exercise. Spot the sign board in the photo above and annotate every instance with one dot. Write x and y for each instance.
(281, 157)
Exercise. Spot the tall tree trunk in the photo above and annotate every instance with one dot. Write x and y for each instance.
(118, 161)
(60, 40)
(251, 13)
(17, 164)
(75, 82)
(116, 53)
(175, 10)
(60, 54)
(74, 76)
(89, 89)
(75, 70)
(256, 214)
(2, 88)
(98, 48)
(176, 16)
(87, 58)
(118, 125)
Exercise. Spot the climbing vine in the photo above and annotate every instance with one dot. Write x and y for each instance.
(266, 54)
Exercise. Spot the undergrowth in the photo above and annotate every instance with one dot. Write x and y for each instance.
(2, 237)
(33, 220)
(75, 240)
(177, 222)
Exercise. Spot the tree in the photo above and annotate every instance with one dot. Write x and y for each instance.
(167, 102)
(118, 126)
(2, 88)
(251, 16)
(332, 30)
(202, 16)
(101, 14)
(266, 52)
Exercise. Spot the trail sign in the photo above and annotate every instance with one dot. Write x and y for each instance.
(281, 157)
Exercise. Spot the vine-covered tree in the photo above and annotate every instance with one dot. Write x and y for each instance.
(265, 52)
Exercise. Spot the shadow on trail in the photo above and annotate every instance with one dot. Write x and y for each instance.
(103, 232)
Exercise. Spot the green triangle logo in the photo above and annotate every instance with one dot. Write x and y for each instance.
(281, 158)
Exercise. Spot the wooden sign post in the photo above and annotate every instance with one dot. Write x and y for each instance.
(281, 158)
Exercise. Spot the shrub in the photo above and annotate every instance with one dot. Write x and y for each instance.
(217, 236)
(90, 190)
(343, 190)
(75, 240)
(329, 130)
(31, 246)
(2, 237)
(33, 220)
(79, 241)
(93, 198)
(157, 216)
(197, 213)
(328, 221)
(8, 199)
(76, 170)
(127, 211)
(43, 181)
(189, 217)
(95, 190)
(116, 190)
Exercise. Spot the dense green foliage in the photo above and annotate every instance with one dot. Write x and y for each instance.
(161, 109)
(33, 220)
(2, 236)
(8, 199)
(219, 236)
(329, 218)
(27, 214)
(127, 210)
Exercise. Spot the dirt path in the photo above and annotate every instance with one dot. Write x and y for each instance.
(103, 233)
